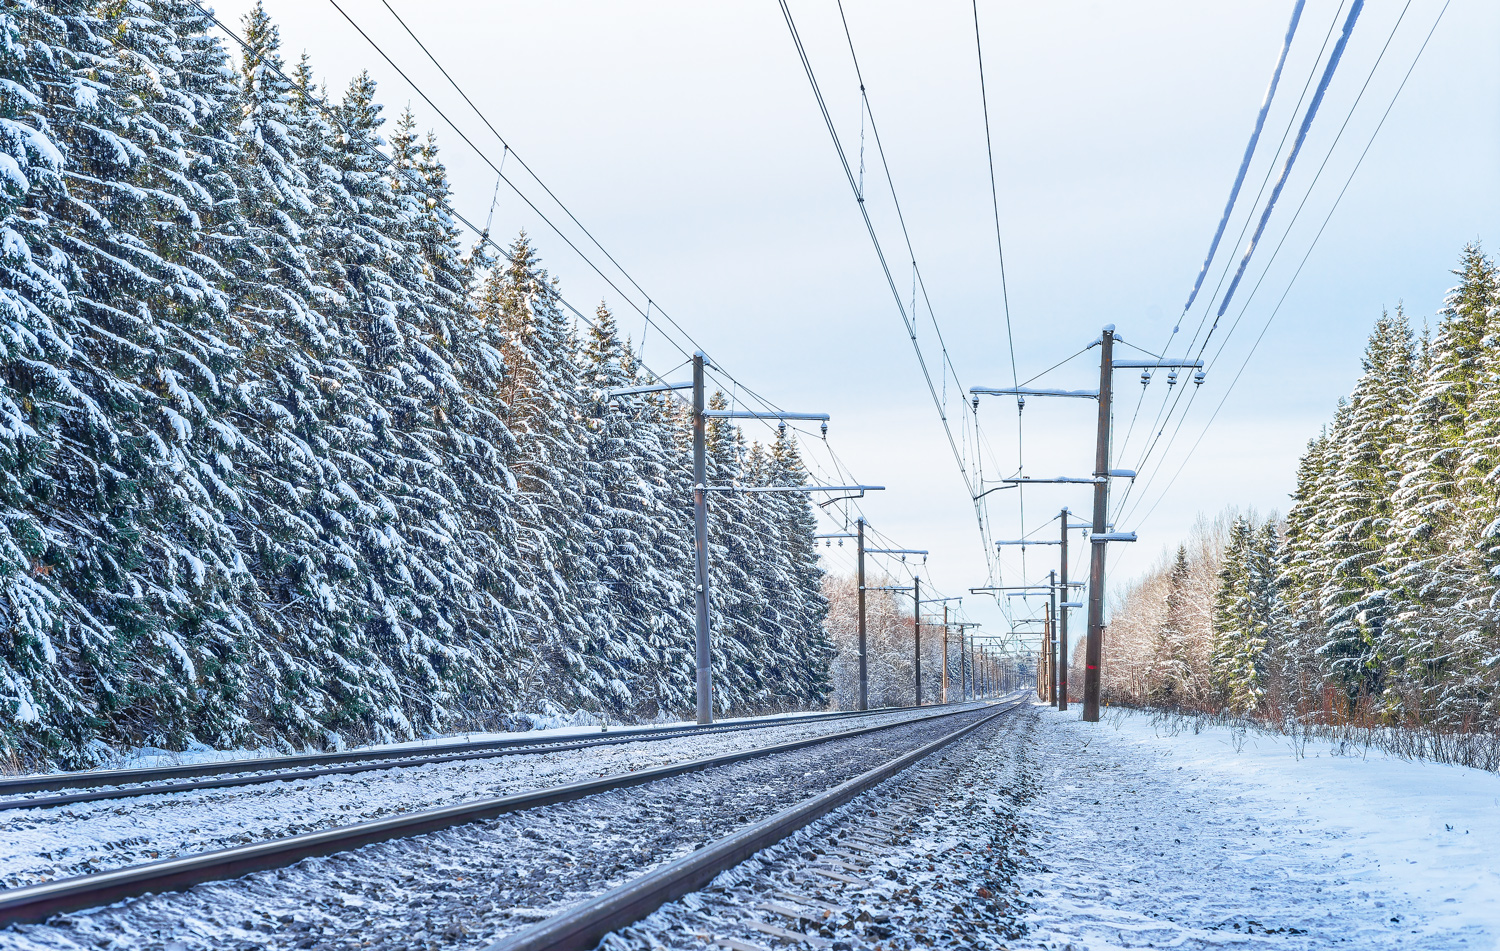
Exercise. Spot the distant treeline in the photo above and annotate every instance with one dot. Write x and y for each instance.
(890, 647)
(1377, 600)
(281, 462)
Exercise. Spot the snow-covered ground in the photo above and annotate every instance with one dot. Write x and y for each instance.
(1040, 832)
(44, 844)
(1155, 836)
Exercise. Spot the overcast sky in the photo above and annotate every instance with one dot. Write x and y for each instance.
(686, 138)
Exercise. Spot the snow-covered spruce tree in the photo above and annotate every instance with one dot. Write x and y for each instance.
(145, 477)
(301, 414)
(1304, 565)
(416, 580)
(560, 543)
(56, 660)
(663, 430)
(1168, 675)
(1474, 696)
(811, 650)
(643, 565)
(471, 603)
(470, 434)
(739, 602)
(1357, 509)
(1242, 615)
(1446, 622)
(777, 626)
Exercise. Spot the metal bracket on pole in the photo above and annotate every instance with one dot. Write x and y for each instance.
(1156, 364)
(1070, 480)
(861, 489)
(746, 414)
(1031, 391)
(654, 388)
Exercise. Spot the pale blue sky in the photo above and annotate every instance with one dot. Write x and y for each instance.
(684, 135)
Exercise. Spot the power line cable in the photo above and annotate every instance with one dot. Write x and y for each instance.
(419, 185)
(879, 250)
(1285, 234)
(715, 370)
(1348, 181)
(1291, 159)
(1171, 400)
(1239, 179)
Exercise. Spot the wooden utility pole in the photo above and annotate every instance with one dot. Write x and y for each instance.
(700, 544)
(1101, 534)
(702, 656)
(916, 632)
(974, 671)
(945, 652)
(1062, 618)
(1051, 608)
(1094, 649)
(864, 668)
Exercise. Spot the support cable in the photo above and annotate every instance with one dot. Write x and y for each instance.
(422, 188)
(1170, 401)
(1327, 218)
(875, 240)
(1291, 159)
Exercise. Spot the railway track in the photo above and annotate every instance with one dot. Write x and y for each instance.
(797, 904)
(38, 902)
(101, 785)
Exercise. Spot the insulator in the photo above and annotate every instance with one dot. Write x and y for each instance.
(1172, 377)
(825, 429)
(841, 543)
(1020, 403)
(975, 401)
(1198, 377)
(781, 428)
(1145, 377)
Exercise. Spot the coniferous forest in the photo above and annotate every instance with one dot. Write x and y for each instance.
(1377, 599)
(286, 461)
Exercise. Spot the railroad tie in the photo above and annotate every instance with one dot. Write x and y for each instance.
(811, 902)
(839, 876)
(862, 860)
(735, 944)
(785, 934)
(871, 844)
(787, 911)
(844, 845)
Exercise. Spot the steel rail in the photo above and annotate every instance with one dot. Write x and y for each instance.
(264, 770)
(582, 927)
(38, 902)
